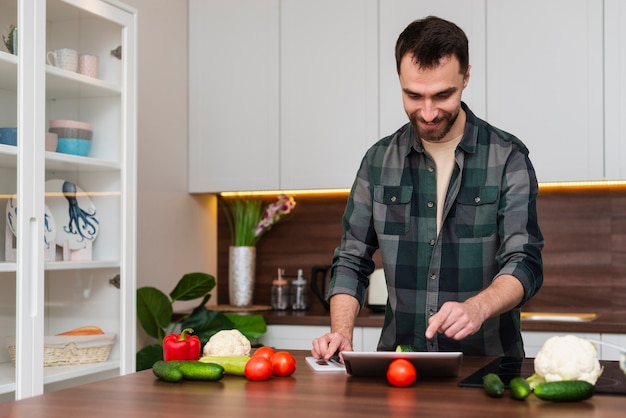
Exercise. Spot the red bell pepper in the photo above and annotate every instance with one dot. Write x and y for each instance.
(181, 346)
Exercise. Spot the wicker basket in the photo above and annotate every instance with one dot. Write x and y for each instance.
(71, 349)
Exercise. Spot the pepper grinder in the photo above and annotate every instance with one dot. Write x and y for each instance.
(280, 292)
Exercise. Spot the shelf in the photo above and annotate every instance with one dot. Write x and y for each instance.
(63, 84)
(80, 265)
(7, 377)
(60, 373)
(54, 374)
(8, 267)
(56, 161)
(67, 162)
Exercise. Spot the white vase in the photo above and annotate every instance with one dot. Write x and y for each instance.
(241, 269)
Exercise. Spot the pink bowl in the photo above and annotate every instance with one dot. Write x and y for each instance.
(61, 123)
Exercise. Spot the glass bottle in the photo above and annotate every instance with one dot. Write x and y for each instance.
(280, 292)
(299, 293)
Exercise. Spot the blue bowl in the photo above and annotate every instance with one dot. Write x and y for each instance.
(8, 136)
(74, 146)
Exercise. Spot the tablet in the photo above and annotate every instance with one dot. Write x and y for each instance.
(375, 363)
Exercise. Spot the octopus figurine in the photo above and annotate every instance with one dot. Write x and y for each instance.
(81, 223)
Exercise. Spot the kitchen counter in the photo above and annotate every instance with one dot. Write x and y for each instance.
(305, 394)
(608, 322)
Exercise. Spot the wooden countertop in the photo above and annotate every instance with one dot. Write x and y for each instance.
(305, 394)
(606, 322)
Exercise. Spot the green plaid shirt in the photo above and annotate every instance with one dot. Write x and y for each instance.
(489, 228)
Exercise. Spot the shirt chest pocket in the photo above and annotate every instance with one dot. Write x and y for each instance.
(392, 209)
(477, 211)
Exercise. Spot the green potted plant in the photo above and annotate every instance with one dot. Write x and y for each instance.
(156, 316)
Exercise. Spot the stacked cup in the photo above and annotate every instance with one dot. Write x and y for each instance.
(74, 137)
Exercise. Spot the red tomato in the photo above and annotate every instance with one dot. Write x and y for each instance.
(283, 363)
(265, 351)
(258, 368)
(401, 373)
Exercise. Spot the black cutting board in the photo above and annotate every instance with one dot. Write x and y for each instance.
(612, 380)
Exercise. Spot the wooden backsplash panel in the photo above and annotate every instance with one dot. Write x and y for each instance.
(584, 256)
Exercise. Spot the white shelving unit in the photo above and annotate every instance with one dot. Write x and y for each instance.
(39, 296)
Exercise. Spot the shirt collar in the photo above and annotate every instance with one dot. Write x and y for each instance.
(467, 144)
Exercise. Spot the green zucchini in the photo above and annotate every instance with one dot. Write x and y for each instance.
(233, 365)
(167, 372)
(520, 389)
(565, 391)
(493, 385)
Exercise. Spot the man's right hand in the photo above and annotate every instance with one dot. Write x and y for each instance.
(329, 344)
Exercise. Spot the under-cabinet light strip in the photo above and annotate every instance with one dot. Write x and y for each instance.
(545, 185)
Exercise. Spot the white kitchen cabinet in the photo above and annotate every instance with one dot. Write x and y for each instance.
(328, 90)
(300, 337)
(234, 136)
(283, 94)
(610, 353)
(394, 16)
(533, 341)
(615, 91)
(44, 293)
(545, 83)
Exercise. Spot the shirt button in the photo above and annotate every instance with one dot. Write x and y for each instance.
(430, 204)
(431, 242)
(431, 312)
(433, 276)
(477, 199)
(431, 169)
(393, 198)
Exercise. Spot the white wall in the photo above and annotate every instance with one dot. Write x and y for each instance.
(175, 234)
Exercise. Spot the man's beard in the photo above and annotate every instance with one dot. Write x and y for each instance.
(436, 135)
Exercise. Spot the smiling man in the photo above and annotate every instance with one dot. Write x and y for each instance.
(450, 202)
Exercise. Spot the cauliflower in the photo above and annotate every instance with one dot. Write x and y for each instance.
(567, 358)
(227, 343)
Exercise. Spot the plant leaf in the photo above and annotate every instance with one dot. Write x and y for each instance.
(252, 326)
(154, 311)
(148, 355)
(192, 286)
(205, 323)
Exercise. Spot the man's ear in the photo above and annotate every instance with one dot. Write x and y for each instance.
(467, 76)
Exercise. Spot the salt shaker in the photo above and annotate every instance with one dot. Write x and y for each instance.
(280, 292)
(299, 293)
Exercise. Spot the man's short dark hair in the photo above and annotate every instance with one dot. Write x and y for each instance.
(430, 39)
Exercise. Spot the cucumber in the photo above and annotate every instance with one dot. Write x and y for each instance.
(233, 365)
(520, 389)
(406, 348)
(196, 370)
(167, 372)
(565, 391)
(493, 385)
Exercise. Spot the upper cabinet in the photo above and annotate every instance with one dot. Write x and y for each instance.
(316, 85)
(545, 83)
(328, 90)
(283, 94)
(234, 125)
(615, 88)
(67, 259)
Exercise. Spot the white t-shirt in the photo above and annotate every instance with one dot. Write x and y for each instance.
(442, 154)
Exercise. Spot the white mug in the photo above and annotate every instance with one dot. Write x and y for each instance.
(65, 58)
(88, 65)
